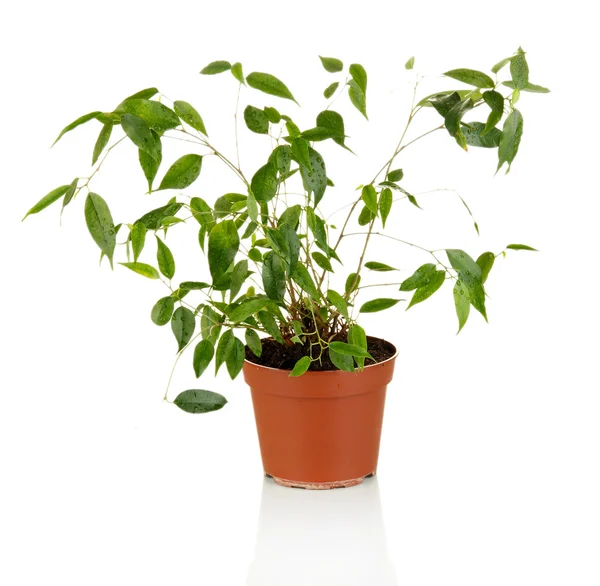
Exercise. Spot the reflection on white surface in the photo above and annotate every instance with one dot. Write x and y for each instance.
(314, 538)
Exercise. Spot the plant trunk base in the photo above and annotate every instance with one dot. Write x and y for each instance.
(319, 485)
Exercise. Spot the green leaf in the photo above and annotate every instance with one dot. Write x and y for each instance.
(269, 84)
(281, 158)
(463, 263)
(365, 217)
(476, 135)
(264, 183)
(322, 261)
(331, 64)
(385, 204)
(338, 302)
(302, 278)
(453, 119)
(81, 120)
(247, 308)
(255, 255)
(333, 123)
(330, 89)
(439, 97)
(256, 120)
(183, 324)
(444, 102)
(253, 342)
(223, 245)
(273, 276)
(485, 262)
(199, 401)
(149, 165)
(521, 247)
(317, 227)
(301, 366)
(216, 67)
(531, 87)
(102, 141)
(357, 98)
(410, 63)
(203, 355)
(314, 181)
(237, 72)
(48, 199)
(277, 242)
(352, 283)
(238, 276)
(501, 64)
(426, 291)
(472, 77)
(511, 138)
(300, 152)
(69, 194)
(166, 262)
(270, 325)
(358, 337)
(369, 196)
(252, 207)
(224, 349)
(162, 311)
(182, 173)
(138, 239)
(341, 361)
(519, 70)
(153, 219)
(395, 175)
(293, 246)
(222, 207)
(100, 224)
(142, 269)
(193, 285)
(379, 266)
(462, 303)
(156, 115)
(495, 100)
(235, 360)
(190, 116)
(140, 134)
(378, 304)
(272, 114)
(210, 324)
(359, 75)
(349, 350)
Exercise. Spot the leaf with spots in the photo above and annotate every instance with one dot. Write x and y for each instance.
(462, 303)
(199, 401)
(315, 181)
(164, 256)
(183, 324)
(203, 355)
(256, 120)
(190, 116)
(182, 173)
(216, 67)
(235, 360)
(426, 291)
(100, 224)
(269, 84)
(162, 311)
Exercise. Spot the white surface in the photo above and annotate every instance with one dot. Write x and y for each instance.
(489, 470)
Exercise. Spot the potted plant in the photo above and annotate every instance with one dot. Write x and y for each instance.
(268, 304)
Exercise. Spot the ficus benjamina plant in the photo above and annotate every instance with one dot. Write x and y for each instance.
(269, 249)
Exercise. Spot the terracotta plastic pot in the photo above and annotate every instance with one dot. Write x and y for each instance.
(322, 429)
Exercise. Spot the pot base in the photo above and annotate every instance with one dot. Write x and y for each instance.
(319, 485)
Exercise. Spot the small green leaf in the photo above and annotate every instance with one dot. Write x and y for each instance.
(444, 102)
(183, 324)
(301, 366)
(150, 165)
(378, 304)
(359, 75)
(385, 204)
(224, 349)
(102, 141)
(462, 303)
(511, 138)
(70, 194)
(292, 243)
(223, 244)
(426, 291)
(190, 116)
(331, 64)
(145, 94)
(476, 135)
(246, 309)
(138, 239)
(322, 261)
(281, 158)
(333, 123)
(142, 269)
(530, 87)
(410, 63)
(182, 173)
(156, 115)
(495, 100)
(453, 119)
(272, 114)
(253, 342)
(81, 120)
(421, 277)
(140, 134)
(48, 199)
(100, 224)
(463, 263)
(264, 183)
(203, 355)
(238, 276)
(193, 285)
(369, 196)
(330, 89)
(300, 152)
(269, 84)
(341, 361)
(349, 350)
(256, 120)
(519, 70)
(199, 401)
(352, 283)
(273, 276)
(379, 266)
(472, 77)
(501, 64)
(317, 227)
(358, 337)
(162, 311)
(339, 302)
(395, 175)
(270, 325)
(485, 262)
(302, 277)
(314, 181)
(521, 247)
(235, 360)
(366, 216)
(216, 67)
(164, 256)
(237, 72)
(153, 219)
(357, 98)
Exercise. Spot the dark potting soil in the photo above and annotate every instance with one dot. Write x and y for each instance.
(276, 355)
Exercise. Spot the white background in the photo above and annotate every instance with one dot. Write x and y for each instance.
(489, 468)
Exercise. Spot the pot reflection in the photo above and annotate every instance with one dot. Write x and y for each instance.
(319, 538)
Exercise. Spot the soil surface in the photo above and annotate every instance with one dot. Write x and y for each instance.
(276, 355)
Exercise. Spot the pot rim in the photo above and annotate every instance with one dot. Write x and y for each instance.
(337, 371)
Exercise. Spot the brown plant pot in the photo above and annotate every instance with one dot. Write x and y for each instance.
(322, 429)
